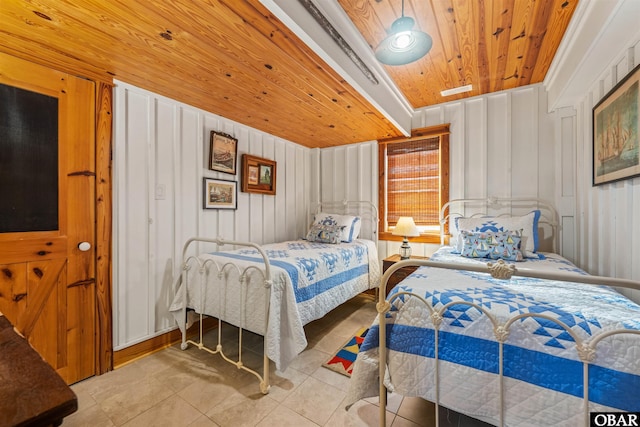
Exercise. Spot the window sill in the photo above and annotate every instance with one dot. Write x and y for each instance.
(423, 238)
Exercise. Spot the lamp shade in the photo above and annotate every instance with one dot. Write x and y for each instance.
(406, 227)
(403, 45)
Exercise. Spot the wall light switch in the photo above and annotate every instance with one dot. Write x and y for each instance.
(160, 191)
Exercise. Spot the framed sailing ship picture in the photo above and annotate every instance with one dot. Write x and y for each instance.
(222, 152)
(220, 194)
(615, 132)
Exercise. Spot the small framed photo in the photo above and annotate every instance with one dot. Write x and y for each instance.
(252, 178)
(222, 152)
(616, 132)
(258, 175)
(220, 194)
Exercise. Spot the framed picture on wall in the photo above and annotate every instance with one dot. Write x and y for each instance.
(222, 152)
(258, 175)
(252, 177)
(220, 194)
(615, 132)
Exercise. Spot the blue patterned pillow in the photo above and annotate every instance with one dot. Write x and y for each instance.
(325, 233)
(501, 245)
(526, 225)
(350, 223)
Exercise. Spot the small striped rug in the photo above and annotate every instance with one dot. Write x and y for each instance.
(342, 361)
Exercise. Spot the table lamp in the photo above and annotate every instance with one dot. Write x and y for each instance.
(405, 227)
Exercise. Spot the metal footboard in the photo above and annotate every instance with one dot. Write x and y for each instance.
(208, 267)
(586, 349)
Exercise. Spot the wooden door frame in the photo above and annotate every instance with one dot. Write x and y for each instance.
(104, 229)
(103, 209)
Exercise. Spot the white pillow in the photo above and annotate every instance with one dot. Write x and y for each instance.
(527, 223)
(351, 224)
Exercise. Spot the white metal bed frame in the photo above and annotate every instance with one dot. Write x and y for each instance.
(586, 349)
(368, 214)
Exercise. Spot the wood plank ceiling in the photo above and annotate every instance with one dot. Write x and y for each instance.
(490, 44)
(236, 59)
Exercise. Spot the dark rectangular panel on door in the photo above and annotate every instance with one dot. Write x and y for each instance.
(28, 161)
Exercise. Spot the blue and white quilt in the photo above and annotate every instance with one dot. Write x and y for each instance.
(309, 279)
(543, 373)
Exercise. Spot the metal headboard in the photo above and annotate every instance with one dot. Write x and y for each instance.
(367, 211)
(502, 207)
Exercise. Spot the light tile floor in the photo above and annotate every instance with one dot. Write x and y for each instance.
(195, 388)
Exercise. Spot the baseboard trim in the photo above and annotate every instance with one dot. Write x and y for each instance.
(137, 351)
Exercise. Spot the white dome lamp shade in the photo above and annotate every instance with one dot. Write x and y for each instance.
(403, 45)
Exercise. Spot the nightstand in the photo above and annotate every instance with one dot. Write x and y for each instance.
(399, 274)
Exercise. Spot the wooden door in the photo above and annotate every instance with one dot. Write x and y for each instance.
(47, 209)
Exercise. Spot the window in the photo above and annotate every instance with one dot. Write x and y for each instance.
(29, 161)
(414, 181)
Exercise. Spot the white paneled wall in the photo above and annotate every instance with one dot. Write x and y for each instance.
(160, 159)
(347, 172)
(504, 145)
(501, 145)
(608, 215)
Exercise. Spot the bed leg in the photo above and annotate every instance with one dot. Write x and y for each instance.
(382, 307)
(383, 408)
(183, 344)
(264, 385)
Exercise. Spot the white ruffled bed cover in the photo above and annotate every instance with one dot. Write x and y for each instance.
(543, 373)
(309, 280)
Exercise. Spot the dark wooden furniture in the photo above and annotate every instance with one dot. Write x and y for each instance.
(31, 392)
(399, 274)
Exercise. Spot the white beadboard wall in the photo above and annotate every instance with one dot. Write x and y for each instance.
(607, 220)
(501, 145)
(160, 159)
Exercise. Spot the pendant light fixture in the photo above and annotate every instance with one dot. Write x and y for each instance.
(403, 45)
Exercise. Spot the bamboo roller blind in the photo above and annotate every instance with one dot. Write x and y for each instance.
(415, 172)
(414, 181)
